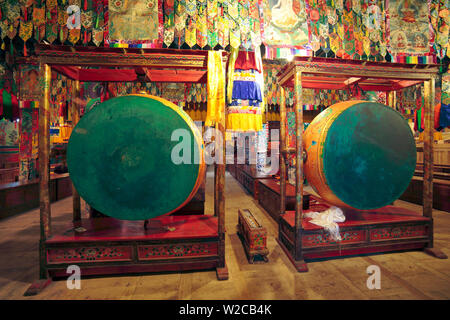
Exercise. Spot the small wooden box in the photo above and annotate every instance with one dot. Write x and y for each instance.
(253, 236)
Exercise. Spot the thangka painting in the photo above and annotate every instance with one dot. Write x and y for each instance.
(9, 133)
(173, 92)
(285, 23)
(134, 21)
(29, 89)
(409, 26)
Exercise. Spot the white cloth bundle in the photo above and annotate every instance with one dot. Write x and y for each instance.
(328, 220)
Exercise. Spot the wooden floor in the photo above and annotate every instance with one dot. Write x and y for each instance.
(408, 275)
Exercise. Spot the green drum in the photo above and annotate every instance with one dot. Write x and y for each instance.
(120, 157)
(360, 154)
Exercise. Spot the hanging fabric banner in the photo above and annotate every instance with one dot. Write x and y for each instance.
(63, 31)
(180, 22)
(212, 22)
(169, 22)
(216, 89)
(202, 28)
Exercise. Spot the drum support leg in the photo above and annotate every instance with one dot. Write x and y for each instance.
(222, 273)
(37, 287)
(435, 253)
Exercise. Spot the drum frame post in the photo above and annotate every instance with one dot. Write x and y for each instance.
(44, 163)
(75, 111)
(283, 155)
(298, 163)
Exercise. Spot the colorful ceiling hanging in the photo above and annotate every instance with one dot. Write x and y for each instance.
(351, 29)
(408, 31)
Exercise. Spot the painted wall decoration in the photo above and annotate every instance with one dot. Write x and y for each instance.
(29, 88)
(285, 22)
(409, 26)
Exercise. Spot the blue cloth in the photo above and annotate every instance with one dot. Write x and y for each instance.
(246, 90)
(444, 118)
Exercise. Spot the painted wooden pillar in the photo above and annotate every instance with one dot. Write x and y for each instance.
(75, 111)
(220, 195)
(394, 102)
(283, 154)
(44, 164)
(298, 164)
(219, 188)
(428, 148)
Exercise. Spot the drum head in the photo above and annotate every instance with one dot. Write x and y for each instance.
(120, 157)
(369, 155)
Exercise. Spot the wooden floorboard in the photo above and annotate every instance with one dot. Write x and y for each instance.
(405, 275)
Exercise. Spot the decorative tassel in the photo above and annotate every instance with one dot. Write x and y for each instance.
(25, 48)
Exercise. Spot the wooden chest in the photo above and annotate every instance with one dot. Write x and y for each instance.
(253, 236)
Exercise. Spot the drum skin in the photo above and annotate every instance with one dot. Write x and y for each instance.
(120, 158)
(359, 154)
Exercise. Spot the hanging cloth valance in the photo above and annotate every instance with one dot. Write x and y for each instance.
(216, 89)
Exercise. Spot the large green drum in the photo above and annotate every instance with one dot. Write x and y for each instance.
(120, 157)
(360, 154)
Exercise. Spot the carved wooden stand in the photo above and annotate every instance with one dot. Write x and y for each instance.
(110, 246)
(385, 229)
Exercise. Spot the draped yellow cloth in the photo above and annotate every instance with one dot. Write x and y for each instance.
(231, 62)
(216, 89)
(244, 122)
